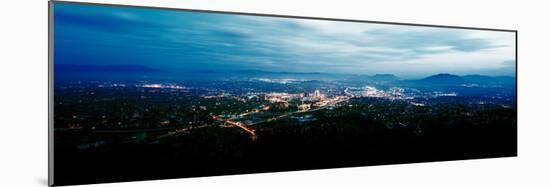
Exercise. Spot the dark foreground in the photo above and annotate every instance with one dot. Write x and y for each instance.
(346, 141)
(128, 134)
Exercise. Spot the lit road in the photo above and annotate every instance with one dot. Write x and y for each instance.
(297, 112)
(246, 127)
(237, 124)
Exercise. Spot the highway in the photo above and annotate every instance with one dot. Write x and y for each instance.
(237, 124)
(246, 128)
(297, 112)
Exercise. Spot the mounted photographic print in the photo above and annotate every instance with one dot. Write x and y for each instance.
(141, 93)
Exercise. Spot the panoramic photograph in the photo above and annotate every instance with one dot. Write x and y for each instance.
(145, 93)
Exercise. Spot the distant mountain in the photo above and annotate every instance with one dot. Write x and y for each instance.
(384, 77)
(488, 79)
(103, 68)
(251, 73)
(444, 79)
(479, 78)
(278, 72)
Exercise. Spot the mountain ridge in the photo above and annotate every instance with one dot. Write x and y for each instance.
(104, 68)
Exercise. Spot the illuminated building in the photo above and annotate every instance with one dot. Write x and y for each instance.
(317, 93)
(304, 107)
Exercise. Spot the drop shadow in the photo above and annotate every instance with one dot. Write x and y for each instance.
(42, 181)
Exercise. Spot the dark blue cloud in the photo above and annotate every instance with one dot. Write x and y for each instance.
(186, 41)
(99, 21)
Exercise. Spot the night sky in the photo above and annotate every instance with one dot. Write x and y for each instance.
(189, 41)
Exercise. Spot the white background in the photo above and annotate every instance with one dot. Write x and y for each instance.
(23, 99)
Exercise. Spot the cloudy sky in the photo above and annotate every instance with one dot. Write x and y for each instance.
(188, 41)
